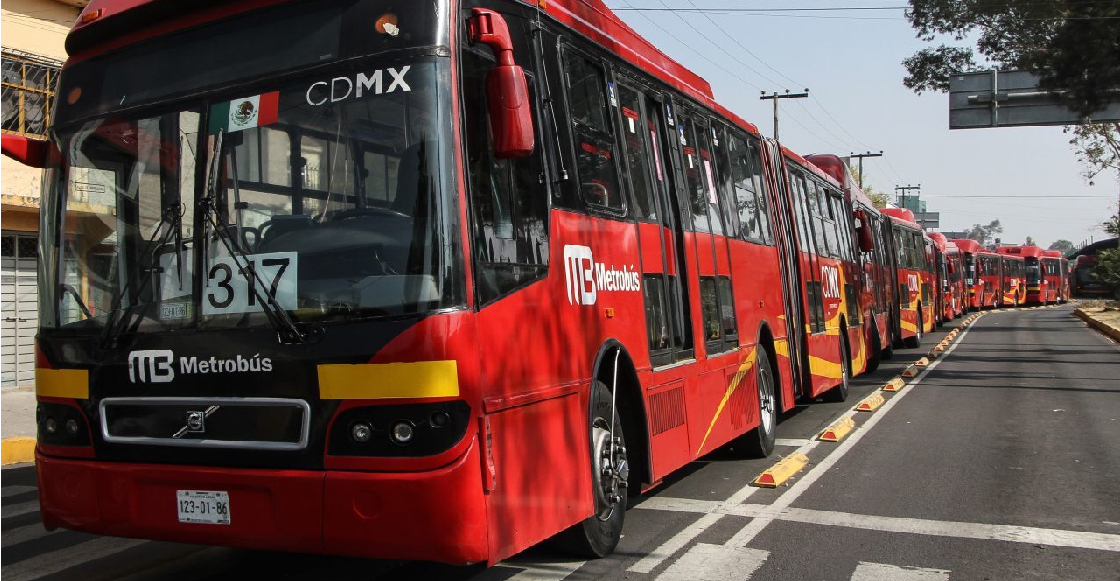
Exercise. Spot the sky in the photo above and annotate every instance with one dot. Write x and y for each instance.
(851, 62)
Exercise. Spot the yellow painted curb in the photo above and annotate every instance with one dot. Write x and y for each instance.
(895, 384)
(911, 371)
(838, 430)
(776, 475)
(871, 403)
(17, 450)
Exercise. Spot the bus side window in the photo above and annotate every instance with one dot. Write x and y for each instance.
(755, 164)
(593, 133)
(725, 179)
(745, 197)
(695, 187)
(637, 151)
(509, 205)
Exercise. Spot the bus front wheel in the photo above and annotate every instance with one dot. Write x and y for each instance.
(597, 535)
(759, 442)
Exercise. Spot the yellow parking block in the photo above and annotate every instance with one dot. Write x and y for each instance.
(922, 362)
(934, 353)
(17, 450)
(895, 384)
(782, 471)
(911, 371)
(838, 430)
(871, 403)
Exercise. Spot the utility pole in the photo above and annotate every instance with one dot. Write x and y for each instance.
(775, 98)
(904, 190)
(860, 157)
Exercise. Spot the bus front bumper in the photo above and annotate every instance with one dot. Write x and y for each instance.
(437, 515)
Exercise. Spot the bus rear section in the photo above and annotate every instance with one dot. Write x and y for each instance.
(1037, 289)
(1053, 271)
(1013, 287)
(914, 277)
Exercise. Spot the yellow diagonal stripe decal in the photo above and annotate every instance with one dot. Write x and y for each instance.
(735, 381)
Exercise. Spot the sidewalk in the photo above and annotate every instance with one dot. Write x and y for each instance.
(17, 425)
(1106, 320)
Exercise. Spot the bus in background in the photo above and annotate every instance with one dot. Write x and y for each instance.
(1013, 272)
(950, 278)
(293, 284)
(914, 279)
(1038, 289)
(1054, 269)
(1085, 283)
(875, 284)
(821, 219)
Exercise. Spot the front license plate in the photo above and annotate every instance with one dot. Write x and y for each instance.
(209, 507)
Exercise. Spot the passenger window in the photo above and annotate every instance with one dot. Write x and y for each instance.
(707, 176)
(709, 304)
(724, 180)
(637, 139)
(727, 311)
(744, 184)
(592, 130)
(693, 173)
(760, 189)
(509, 205)
(656, 321)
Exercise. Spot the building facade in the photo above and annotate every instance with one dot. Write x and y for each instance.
(31, 50)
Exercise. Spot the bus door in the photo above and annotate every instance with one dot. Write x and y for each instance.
(785, 237)
(664, 260)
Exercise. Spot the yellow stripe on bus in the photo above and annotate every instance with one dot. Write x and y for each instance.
(825, 368)
(735, 381)
(69, 383)
(389, 380)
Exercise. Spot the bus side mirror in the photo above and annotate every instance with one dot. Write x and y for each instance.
(29, 152)
(866, 240)
(507, 93)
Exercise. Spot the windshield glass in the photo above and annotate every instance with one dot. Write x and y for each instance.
(1034, 273)
(334, 188)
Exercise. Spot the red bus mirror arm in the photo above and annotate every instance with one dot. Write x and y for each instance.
(29, 152)
(507, 92)
(866, 240)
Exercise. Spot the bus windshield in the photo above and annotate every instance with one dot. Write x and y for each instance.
(335, 189)
(1034, 273)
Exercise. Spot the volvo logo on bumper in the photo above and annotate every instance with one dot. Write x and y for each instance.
(196, 422)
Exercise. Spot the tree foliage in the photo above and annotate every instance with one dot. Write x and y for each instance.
(1097, 146)
(878, 199)
(1107, 269)
(1064, 246)
(1071, 44)
(985, 233)
(1029, 242)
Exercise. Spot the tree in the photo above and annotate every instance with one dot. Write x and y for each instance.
(1064, 246)
(1097, 147)
(985, 233)
(1071, 44)
(1029, 242)
(1107, 269)
(1112, 225)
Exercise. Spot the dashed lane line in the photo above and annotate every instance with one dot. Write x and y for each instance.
(23, 534)
(715, 563)
(10, 510)
(63, 559)
(881, 572)
(16, 489)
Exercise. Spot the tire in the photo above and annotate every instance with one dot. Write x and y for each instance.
(916, 341)
(759, 442)
(839, 393)
(598, 535)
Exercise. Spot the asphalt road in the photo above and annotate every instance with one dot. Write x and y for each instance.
(1002, 461)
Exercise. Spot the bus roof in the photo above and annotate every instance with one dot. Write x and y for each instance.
(1052, 253)
(1021, 251)
(838, 170)
(139, 19)
(940, 241)
(967, 245)
(902, 216)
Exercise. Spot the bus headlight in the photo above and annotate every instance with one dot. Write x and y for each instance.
(402, 432)
(361, 432)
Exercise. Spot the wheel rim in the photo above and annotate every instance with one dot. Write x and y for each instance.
(767, 404)
(611, 473)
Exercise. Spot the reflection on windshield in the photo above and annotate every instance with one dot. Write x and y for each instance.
(330, 188)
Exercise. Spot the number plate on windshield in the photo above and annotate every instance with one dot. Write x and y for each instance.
(204, 506)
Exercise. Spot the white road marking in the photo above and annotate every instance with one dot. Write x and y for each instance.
(748, 532)
(704, 562)
(16, 489)
(678, 541)
(10, 510)
(880, 572)
(23, 534)
(794, 442)
(551, 571)
(62, 559)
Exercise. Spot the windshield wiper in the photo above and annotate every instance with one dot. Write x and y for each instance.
(171, 219)
(287, 330)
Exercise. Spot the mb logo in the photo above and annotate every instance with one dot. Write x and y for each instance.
(152, 366)
(579, 273)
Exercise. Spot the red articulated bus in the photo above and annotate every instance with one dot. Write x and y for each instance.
(439, 281)
(982, 274)
(1038, 288)
(1054, 269)
(1013, 277)
(950, 269)
(914, 277)
(1085, 284)
(876, 284)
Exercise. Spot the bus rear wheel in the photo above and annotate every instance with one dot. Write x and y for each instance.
(759, 442)
(598, 535)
